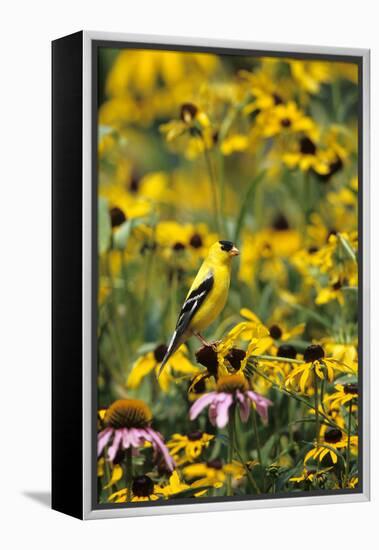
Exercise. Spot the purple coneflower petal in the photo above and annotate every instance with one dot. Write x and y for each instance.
(212, 413)
(261, 404)
(157, 441)
(115, 445)
(102, 439)
(244, 406)
(200, 404)
(126, 438)
(223, 404)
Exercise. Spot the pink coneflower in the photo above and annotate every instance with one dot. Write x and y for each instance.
(127, 424)
(231, 390)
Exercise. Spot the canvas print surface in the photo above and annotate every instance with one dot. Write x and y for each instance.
(227, 291)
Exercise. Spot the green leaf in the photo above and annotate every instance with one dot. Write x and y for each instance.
(104, 228)
(121, 236)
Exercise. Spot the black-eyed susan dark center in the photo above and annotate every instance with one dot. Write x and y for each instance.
(128, 413)
(188, 112)
(286, 122)
(159, 353)
(117, 215)
(287, 351)
(314, 352)
(216, 464)
(350, 388)
(232, 383)
(307, 147)
(275, 332)
(178, 246)
(196, 241)
(143, 486)
(333, 435)
(195, 436)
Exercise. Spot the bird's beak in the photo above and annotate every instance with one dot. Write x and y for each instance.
(234, 251)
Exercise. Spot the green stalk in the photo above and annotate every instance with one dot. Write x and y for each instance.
(278, 359)
(212, 179)
(129, 474)
(229, 488)
(293, 395)
(257, 442)
(347, 464)
(317, 412)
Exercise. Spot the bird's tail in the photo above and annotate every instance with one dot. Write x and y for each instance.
(172, 347)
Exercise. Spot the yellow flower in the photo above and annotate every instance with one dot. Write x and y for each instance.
(344, 394)
(316, 364)
(310, 74)
(286, 118)
(143, 489)
(187, 448)
(142, 71)
(149, 362)
(310, 475)
(192, 134)
(213, 473)
(235, 143)
(332, 440)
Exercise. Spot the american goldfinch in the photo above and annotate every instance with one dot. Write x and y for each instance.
(206, 297)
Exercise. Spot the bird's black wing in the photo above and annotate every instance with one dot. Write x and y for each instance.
(189, 308)
(193, 303)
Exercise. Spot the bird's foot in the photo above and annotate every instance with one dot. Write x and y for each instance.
(213, 345)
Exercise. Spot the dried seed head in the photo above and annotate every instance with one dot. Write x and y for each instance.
(207, 356)
(235, 357)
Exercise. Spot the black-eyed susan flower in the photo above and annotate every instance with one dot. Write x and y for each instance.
(214, 472)
(310, 74)
(344, 394)
(188, 448)
(286, 118)
(143, 489)
(127, 424)
(179, 364)
(231, 390)
(332, 439)
(311, 475)
(315, 363)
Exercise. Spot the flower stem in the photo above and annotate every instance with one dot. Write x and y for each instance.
(229, 488)
(317, 412)
(212, 180)
(129, 474)
(347, 463)
(257, 442)
(278, 359)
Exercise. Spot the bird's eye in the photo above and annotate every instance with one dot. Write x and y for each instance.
(226, 245)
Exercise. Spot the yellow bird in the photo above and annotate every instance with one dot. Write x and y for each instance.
(206, 297)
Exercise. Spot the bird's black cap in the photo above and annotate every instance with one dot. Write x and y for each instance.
(226, 245)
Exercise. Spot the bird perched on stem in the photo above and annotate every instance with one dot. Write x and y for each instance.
(206, 297)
